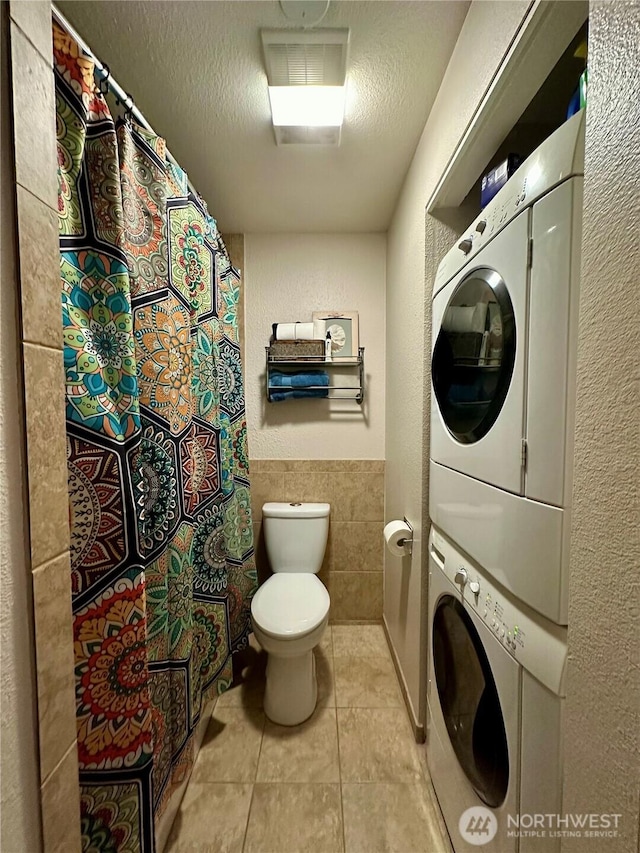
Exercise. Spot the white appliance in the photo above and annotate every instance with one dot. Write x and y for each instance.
(290, 610)
(505, 306)
(496, 672)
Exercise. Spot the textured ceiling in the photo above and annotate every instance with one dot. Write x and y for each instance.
(195, 69)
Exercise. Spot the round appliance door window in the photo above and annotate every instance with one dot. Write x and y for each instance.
(473, 358)
(469, 702)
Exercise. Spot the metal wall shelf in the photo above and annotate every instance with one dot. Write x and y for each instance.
(336, 364)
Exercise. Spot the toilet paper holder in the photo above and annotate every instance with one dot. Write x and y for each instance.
(398, 537)
(407, 541)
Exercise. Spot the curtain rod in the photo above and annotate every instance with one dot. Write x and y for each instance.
(124, 97)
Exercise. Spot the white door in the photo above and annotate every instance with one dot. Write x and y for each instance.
(474, 713)
(478, 363)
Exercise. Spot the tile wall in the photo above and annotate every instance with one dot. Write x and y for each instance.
(352, 568)
(42, 368)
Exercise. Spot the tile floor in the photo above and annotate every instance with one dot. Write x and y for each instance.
(351, 779)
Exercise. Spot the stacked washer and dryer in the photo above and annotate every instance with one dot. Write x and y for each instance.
(505, 306)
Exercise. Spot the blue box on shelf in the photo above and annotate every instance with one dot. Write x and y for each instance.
(497, 177)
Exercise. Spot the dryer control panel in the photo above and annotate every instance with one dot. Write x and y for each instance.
(556, 159)
(539, 645)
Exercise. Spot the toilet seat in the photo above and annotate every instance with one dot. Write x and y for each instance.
(290, 605)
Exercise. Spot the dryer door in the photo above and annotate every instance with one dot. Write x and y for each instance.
(478, 363)
(473, 358)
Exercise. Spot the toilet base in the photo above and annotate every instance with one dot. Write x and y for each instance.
(291, 690)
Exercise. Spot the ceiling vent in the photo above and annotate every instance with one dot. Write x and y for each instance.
(307, 135)
(306, 58)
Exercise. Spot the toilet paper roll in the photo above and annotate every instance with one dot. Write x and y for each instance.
(394, 533)
(286, 332)
(304, 331)
(319, 330)
(298, 331)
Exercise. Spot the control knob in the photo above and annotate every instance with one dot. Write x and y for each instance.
(480, 227)
(461, 576)
(474, 586)
(466, 245)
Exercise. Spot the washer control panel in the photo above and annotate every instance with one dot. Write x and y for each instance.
(512, 636)
(536, 642)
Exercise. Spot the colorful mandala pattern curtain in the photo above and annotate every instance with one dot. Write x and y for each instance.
(161, 534)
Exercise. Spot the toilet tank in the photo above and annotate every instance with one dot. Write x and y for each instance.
(295, 535)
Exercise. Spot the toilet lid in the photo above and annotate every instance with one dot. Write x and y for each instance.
(290, 604)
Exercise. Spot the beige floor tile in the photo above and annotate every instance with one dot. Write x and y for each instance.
(231, 746)
(248, 688)
(293, 818)
(366, 683)
(248, 681)
(325, 677)
(420, 750)
(376, 745)
(326, 644)
(212, 819)
(390, 818)
(304, 753)
(359, 641)
(439, 818)
(244, 694)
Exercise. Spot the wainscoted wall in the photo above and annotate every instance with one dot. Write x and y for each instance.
(288, 277)
(352, 568)
(38, 368)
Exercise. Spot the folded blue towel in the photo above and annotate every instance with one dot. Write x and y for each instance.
(299, 380)
(298, 393)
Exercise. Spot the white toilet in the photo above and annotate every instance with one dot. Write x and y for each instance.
(290, 610)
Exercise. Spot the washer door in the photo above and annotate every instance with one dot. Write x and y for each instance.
(474, 354)
(469, 701)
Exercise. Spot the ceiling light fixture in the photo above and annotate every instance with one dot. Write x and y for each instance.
(307, 106)
(306, 73)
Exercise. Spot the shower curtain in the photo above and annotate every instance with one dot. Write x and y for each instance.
(161, 534)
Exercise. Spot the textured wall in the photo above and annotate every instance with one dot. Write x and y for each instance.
(287, 277)
(20, 782)
(484, 39)
(602, 766)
